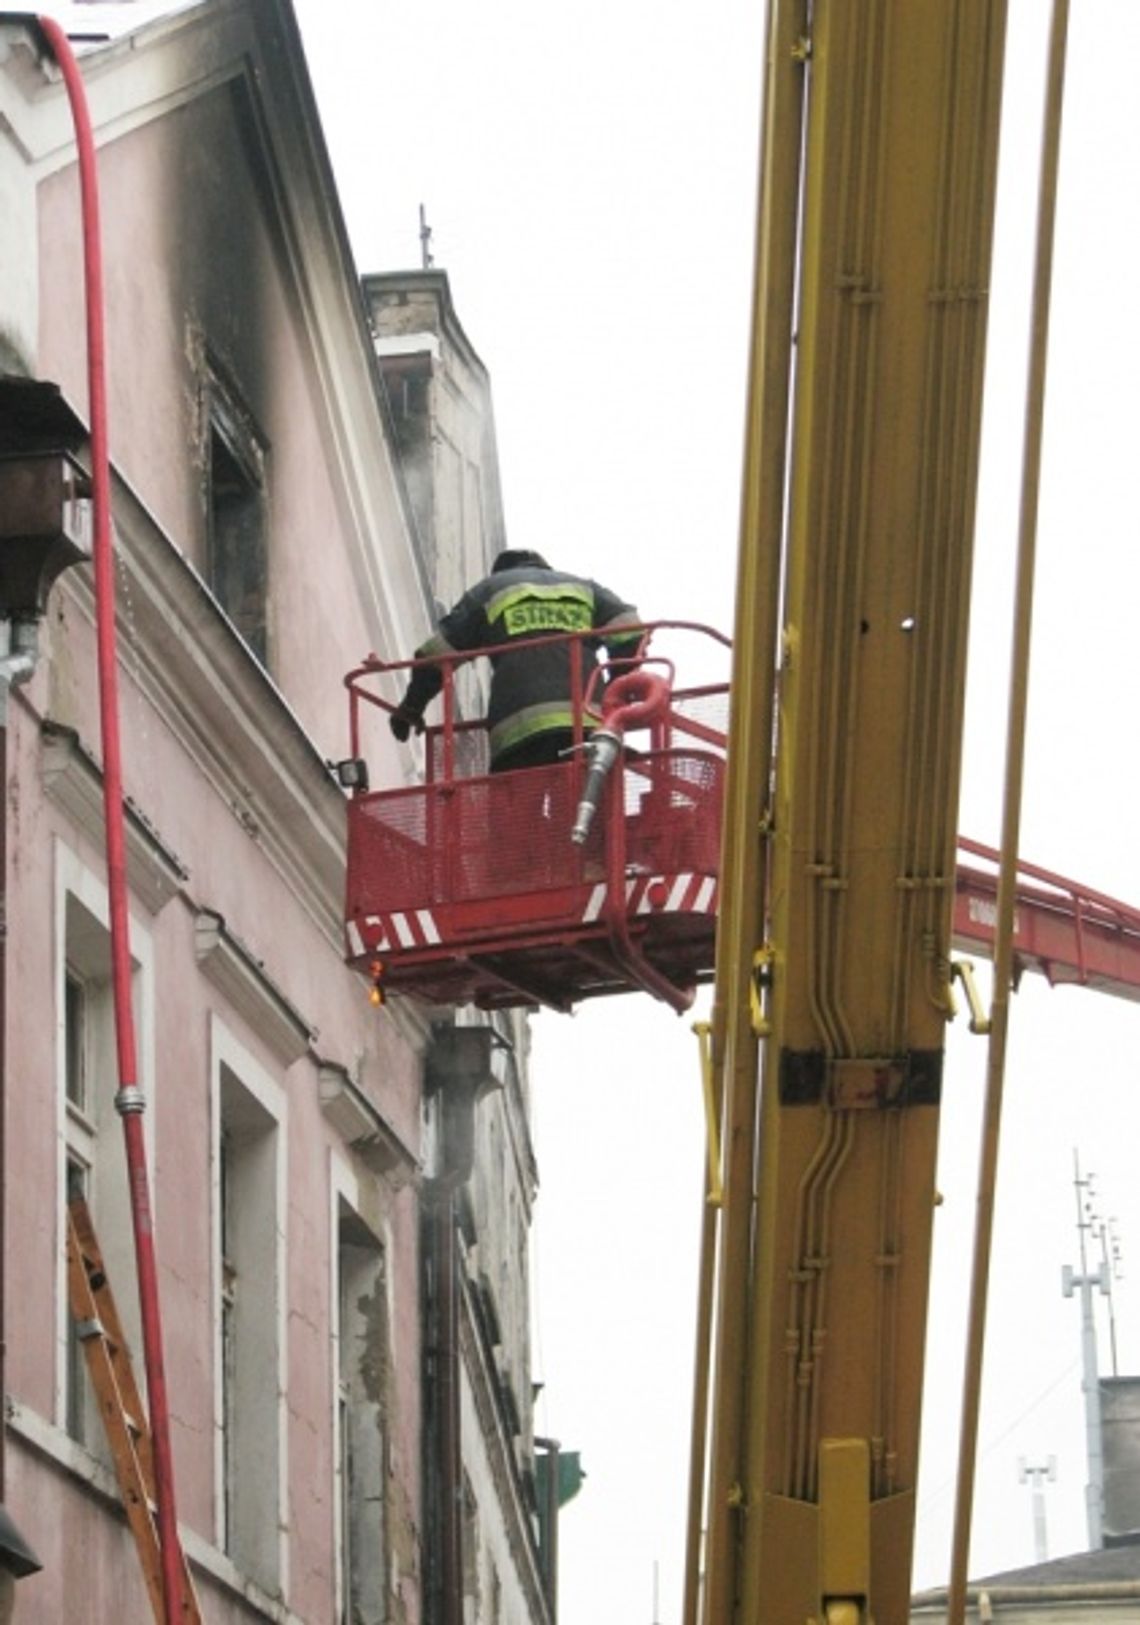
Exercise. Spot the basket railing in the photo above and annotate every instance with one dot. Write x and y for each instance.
(441, 738)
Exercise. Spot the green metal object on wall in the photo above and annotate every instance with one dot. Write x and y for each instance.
(570, 1477)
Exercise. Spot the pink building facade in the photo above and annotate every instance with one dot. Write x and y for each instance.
(266, 540)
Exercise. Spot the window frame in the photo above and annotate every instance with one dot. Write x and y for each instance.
(88, 1136)
(345, 1212)
(227, 420)
(259, 1547)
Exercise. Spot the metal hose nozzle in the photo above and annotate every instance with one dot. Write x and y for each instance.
(602, 752)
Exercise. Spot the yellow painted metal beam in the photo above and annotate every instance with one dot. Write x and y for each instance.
(845, 878)
(740, 925)
(998, 1024)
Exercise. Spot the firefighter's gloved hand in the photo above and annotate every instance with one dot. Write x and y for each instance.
(403, 720)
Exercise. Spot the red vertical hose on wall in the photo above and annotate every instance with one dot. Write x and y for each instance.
(129, 1100)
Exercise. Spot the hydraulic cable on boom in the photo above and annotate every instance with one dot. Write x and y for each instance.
(837, 869)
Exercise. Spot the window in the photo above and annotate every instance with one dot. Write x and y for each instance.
(227, 1314)
(248, 1199)
(236, 561)
(361, 1373)
(75, 1039)
(78, 1402)
(91, 1155)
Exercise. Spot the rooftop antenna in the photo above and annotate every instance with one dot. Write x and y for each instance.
(426, 257)
(1037, 1474)
(1112, 1269)
(1090, 1380)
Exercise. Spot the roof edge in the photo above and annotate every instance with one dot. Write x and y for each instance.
(437, 282)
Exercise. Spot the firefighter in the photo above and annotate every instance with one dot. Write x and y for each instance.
(529, 718)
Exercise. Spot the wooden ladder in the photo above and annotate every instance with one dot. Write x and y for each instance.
(120, 1404)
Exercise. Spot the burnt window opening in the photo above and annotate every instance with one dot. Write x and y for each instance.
(361, 1464)
(410, 393)
(237, 563)
(75, 1024)
(407, 385)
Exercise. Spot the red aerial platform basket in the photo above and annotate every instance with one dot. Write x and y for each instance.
(469, 888)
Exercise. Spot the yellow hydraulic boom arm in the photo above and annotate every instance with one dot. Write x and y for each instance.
(877, 193)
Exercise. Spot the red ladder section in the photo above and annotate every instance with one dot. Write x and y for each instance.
(1065, 931)
(100, 1331)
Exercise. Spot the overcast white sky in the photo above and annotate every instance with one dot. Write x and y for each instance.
(588, 174)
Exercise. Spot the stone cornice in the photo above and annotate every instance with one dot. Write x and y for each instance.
(434, 282)
(362, 1127)
(73, 780)
(242, 978)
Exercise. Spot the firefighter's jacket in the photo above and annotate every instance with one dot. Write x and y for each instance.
(530, 688)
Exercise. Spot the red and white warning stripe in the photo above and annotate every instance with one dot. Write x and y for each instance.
(382, 933)
(658, 894)
(644, 894)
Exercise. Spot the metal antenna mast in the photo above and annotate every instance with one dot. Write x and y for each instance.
(1090, 1378)
(1037, 1474)
(1112, 1271)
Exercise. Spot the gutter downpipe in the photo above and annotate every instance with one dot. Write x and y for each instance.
(129, 1100)
(457, 1078)
(449, 1460)
(548, 1521)
(1011, 813)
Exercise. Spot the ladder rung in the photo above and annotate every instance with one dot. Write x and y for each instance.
(120, 1404)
